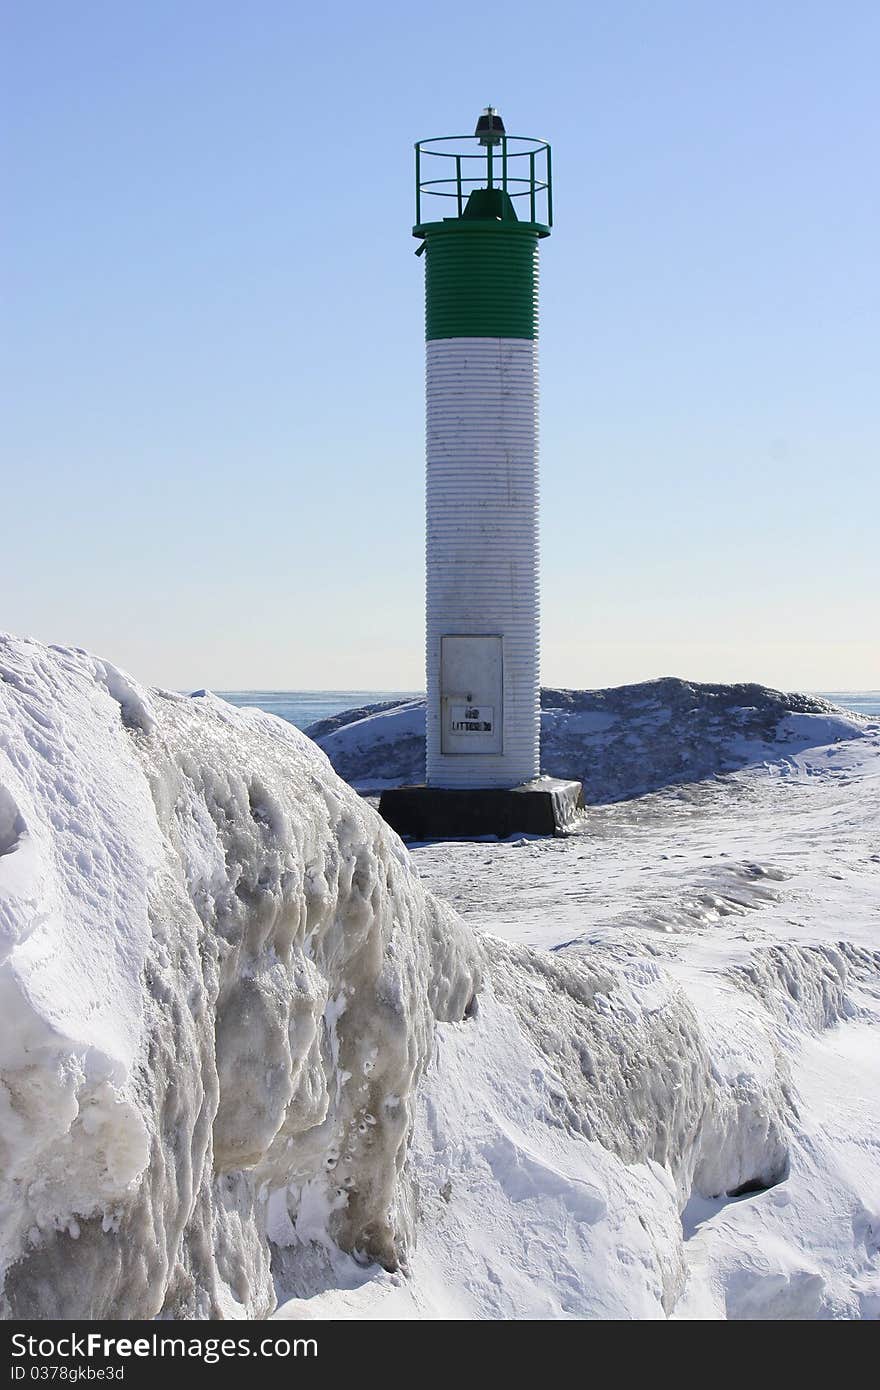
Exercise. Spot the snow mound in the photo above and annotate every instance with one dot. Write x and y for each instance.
(808, 987)
(696, 1038)
(596, 1143)
(635, 1072)
(620, 742)
(219, 981)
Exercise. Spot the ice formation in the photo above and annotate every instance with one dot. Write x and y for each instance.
(247, 1053)
(620, 742)
(219, 983)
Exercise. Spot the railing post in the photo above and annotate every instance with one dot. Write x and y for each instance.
(549, 191)
(532, 184)
(418, 186)
(504, 177)
(458, 181)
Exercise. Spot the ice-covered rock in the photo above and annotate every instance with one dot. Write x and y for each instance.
(620, 742)
(219, 983)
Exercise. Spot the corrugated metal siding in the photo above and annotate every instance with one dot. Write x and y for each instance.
(482, 538)
(481, 280)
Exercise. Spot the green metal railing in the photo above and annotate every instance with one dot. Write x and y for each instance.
(517, 164)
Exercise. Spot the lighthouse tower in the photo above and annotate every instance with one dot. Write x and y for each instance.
(481, 326)
(483, 205)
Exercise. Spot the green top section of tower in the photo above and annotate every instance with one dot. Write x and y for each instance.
(481, 263)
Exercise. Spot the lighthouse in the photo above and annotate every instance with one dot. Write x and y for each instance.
(484, 203)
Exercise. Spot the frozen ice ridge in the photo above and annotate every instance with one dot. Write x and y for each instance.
(219, 983)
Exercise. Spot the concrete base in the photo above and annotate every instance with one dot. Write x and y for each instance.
(547, 806)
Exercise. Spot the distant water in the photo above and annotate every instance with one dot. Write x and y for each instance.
(862, 701)
(303, 707)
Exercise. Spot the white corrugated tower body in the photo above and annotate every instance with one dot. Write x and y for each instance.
(482, 540)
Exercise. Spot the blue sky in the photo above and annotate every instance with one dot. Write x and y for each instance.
(213, 357)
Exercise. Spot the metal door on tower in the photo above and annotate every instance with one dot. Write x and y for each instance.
(471, 694)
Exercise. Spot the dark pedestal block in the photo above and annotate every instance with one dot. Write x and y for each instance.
(547, 806)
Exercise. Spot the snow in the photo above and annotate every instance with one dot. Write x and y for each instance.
(219, 983)
(620, 743)
(249, 1055)
(515, 1216)
(668, 1101)
(383, 748)
(810, 1247)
